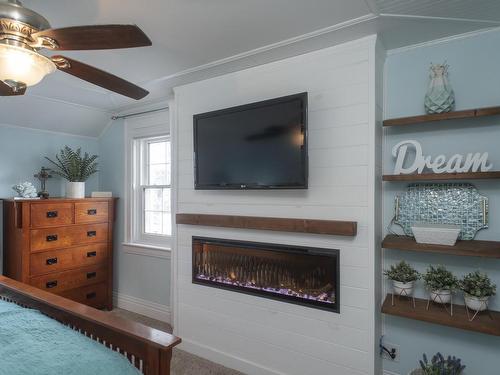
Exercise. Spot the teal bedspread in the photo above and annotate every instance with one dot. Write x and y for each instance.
(33, 344)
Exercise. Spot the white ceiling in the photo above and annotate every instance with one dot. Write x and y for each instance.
(197, 39)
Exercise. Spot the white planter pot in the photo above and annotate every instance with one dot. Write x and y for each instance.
(476, 303)
(417, 371)
(75, 190)
(441, 296)
(403, 289)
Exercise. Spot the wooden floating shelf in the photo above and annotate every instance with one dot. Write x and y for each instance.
(442, 176)
(474, 248)
(330, 227)
(456, 115)
(436, 314)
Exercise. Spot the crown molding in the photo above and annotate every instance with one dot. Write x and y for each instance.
(269, 47)
(417, 17)
(47, 131)
(447, 39)
(66, 102)
(142, 106)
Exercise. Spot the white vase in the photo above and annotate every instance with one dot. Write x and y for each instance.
(476, 303)
(440, 97)
(441, 296)
(75, 190)
(403, 289)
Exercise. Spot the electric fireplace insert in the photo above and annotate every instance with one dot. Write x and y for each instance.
(301, 275)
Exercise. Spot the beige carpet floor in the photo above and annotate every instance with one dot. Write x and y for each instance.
(183, 363)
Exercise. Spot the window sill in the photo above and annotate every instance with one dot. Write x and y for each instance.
(147, 250)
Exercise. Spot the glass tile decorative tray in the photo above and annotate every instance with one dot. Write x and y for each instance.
(459, 204)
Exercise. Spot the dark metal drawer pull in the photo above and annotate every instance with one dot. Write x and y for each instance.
(91, 254)
(92, 212)
(91, 295)
(91, 275)
(51, 261)
(52, 238)
(51, 284)
(91, 233)
(51, 214)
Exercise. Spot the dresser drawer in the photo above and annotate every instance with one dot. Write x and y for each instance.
(51, 214)
(65, 259)
(91, 212)
(56, 238)
(63, 281)
(93, 295)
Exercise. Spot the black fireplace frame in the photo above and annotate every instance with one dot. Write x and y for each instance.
(333, 253)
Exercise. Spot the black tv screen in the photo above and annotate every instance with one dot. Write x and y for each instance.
(255, 146)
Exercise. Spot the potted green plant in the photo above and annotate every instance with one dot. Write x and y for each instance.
(439, 366)
(403, 278)
(477, 288)
(440, 282)
(75, 168)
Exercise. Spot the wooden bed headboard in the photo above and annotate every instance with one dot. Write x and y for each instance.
(148, 349)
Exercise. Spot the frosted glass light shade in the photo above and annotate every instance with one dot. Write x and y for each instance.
(23, 65)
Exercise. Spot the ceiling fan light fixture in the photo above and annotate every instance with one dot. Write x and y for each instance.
(19, 64)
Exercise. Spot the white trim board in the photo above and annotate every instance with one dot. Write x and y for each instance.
(447, 39)
(140, 306)
(147, 251)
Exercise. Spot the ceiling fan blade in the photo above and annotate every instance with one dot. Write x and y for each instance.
(99, 77)
(93, 37)
(6, 90)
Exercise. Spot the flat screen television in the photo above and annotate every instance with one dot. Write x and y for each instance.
(255, 146)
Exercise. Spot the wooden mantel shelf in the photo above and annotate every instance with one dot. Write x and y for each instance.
(442, 176)
(483, 323)
(329, 227)
(473, 248)
(468, 113)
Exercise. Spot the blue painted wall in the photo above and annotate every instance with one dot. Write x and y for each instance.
(22, 154)
(143, 277)
(475, 76)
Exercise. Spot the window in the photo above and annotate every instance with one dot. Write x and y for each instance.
(152, 189)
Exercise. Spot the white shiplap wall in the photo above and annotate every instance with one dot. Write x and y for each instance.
(262, 336)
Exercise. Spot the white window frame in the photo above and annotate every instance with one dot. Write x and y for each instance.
(136, 131)
(141, 165)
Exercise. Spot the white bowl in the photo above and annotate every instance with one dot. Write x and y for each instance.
(403, 289)
(436, 234)
(441, 296)
(476, 303)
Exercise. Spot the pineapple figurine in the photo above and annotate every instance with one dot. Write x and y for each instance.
(440, 97)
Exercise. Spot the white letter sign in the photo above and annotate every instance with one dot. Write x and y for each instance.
(472, 162)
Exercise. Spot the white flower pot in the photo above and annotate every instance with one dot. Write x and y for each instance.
(476, 303)
(441, 296)
(75, 190)
(403, 289)
(417, 371)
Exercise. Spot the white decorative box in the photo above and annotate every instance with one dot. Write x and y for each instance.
(436, 234)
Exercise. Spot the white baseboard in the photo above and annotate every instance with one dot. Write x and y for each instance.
(140, 306)
(225, 359)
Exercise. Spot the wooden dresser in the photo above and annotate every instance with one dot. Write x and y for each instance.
(64, 246)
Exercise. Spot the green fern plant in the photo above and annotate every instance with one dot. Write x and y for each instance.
(74, 167)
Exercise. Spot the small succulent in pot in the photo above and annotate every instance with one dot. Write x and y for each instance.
(440, 366)
(440, 282)
(403, 278)
(75, 168)
(477, 288)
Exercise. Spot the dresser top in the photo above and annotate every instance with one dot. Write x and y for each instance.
(58, 200)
